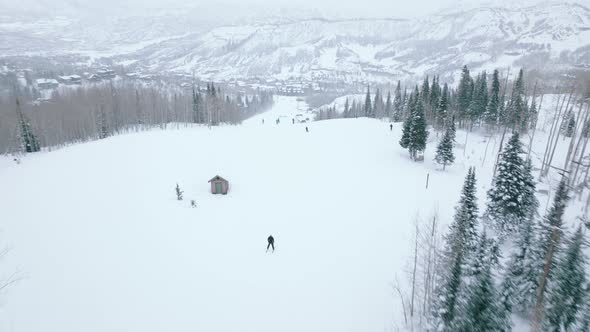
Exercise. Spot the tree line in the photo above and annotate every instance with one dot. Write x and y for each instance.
(466, 286)
(99, 111)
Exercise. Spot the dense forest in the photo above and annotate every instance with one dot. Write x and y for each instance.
(29, 124)
(512, 261)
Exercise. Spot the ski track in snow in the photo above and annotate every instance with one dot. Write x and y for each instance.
(103, 244)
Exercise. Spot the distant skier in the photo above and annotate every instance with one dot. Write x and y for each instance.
(271, 243)
(391, 127)
(306, 129)
(262, 121)
(293, 120)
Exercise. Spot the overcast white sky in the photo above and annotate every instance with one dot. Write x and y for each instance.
(248, 8)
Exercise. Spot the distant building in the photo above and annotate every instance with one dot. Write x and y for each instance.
(47, 83)
(70, 79)
(219, 185)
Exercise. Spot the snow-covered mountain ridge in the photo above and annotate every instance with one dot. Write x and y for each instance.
(485, 37)
(552, 36)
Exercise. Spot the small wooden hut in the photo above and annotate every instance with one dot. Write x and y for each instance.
(219, 185)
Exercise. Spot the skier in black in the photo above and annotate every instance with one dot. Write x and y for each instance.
(391, 127)
(271, 243)
(306, 130)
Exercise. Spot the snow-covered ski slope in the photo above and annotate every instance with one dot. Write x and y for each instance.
(103, 245)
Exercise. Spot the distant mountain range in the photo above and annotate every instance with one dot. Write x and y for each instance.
(553, 36)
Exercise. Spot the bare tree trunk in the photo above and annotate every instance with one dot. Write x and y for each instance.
(499, 152)
(581, 158)
(535, 128)
(414, 273)
(550, 138)
(557, 132)
(573, 139)
(539, 307)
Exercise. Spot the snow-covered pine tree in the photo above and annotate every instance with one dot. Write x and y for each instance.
(533, 114)
(479, 99)
(346, 112)
(104, 130)
(460, 244)
(452, 129)
(583, 319)
(398, 103)
(389, 106)
(442, 110)
(178, 192)
(368, 108)
(404, 141)
(520, 279)
(425, 90)
(378, 104)
(546, 247)
(565, 291)
(480, 309)
(509, 199)
(414, 131)
(464, 94)
(444, 150)
(521, 276)
(29, 140)
(570, 125)
(419, 132)
(435, 92)
(517, 117)
(491, 112)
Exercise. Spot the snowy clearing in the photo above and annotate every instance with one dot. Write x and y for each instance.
(103, 244)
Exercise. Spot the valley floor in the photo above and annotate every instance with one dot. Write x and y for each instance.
(102, 244)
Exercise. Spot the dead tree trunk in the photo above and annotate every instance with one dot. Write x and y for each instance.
(539, 307)
(573, 139)
(549, 139)
(557, 132)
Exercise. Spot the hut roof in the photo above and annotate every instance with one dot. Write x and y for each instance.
(216, 178)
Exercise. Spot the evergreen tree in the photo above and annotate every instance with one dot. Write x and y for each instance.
(198, 116)
(388, 107)
(419, 131)
(378, 105)
(491, 112)
(104, 129)
(346, 112)
(452, 129)
(464, 93)
(533, 114)
(520, 280)
(547, 246)
(570, 125)
(442, 110)
(178, 192)
(480, 310)
(414, 132)
(425, 91)
(479, 99)
(583, 319)
(28, 138)
(444, 150)
(398, 104)
(460, 244)
(565, 294)
(368, 109)
(517, 108)
(435, 92)
(509, 199)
